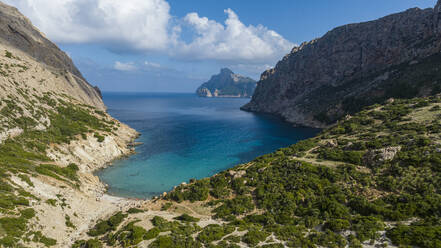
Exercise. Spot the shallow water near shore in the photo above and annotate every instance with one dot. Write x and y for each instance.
(185, 136)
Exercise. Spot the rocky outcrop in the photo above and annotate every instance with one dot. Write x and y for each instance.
(227, 84)
(378, 157)
(18, 32)
(353, 66)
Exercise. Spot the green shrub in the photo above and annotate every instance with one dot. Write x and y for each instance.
(187, 218)
(104, 226)
(8, 54)
(68, 222)
(163, 242)
(128, 236)
(235, 206)
(253, 237)
(152, 233)
(28, 213)
(367, 227)
(52, 202)
(100, 138)
(40, 238)
(14, 227)
(214, 232)
(26, 179)
(135, 211)
(337, 225)
(91, 243)
(416, 235)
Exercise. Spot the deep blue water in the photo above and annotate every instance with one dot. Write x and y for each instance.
(188, 137)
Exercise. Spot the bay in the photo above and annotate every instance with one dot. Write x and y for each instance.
(185, 136)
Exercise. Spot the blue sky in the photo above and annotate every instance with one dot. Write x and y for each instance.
(175, 45)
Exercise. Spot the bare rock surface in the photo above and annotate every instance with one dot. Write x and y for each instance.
(380, 156)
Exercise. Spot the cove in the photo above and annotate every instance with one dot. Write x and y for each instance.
(185, 136)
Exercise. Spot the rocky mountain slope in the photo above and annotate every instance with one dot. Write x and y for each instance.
(227, 84)
(54, 132)
(17, 31)
(353, 66)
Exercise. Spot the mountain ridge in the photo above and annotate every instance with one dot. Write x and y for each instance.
(351, 66)
(17, 31)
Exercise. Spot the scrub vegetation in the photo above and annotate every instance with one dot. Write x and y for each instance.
(372, 178)
(42, 120)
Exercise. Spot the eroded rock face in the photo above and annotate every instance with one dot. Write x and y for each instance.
(227, 84)
(380, 156)
(18, 32)
(353, 66)
(204, 92)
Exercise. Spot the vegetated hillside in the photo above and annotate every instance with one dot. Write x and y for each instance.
(372, 179)
(227, 84)
(353, 66)
(54, 132)
(43, 134)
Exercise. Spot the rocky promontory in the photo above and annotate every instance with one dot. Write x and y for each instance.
(227, 84)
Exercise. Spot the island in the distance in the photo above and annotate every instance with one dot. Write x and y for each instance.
(227, 84)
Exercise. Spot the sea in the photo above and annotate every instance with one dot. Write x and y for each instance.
(185, 136)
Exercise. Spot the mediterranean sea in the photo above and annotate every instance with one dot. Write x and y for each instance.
(185, 136)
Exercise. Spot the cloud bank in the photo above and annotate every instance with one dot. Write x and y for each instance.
(232, 41)
(136, 24)
(147, 26)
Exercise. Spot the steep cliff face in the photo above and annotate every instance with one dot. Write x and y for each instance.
(227, 84)
(18, 32)
(353, 66)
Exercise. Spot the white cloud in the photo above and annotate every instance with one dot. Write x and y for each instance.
(136, 24)
(120, 66)
(233, 41)
(146, 25)
(152, 64)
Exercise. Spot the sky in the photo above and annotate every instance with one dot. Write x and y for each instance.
(176, 45)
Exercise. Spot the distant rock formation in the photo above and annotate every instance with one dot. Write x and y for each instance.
(352, 66)
(227, 84)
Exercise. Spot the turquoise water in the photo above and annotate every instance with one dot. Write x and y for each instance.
(186, 137)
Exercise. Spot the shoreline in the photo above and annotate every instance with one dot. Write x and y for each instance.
(88, 203)
(130, 145)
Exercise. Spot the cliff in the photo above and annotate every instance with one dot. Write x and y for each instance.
(354, 66)
(227, 84)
